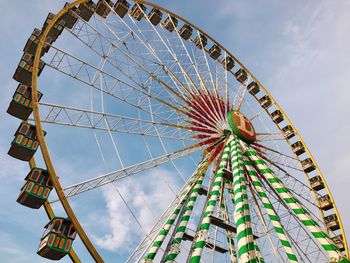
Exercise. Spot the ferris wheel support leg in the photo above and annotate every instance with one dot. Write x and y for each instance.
(229, 234)
(246, 247)
(302, 214)
(270, 211)
(201, 236)
(157, 243)
(144, 246)
(180, 230)
(163, 232)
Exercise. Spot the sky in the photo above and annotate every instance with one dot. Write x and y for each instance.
(299, 50)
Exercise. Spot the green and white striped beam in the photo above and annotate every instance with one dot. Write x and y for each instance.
(215, 192)
(270, 211)
(246, 248)
(180, 230)
(298, 209)
(229, 234)
(171, 219)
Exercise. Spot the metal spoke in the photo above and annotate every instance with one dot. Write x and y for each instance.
(125, 53)
(239, 97)
(268, 136)
(177, 62)
(122, 173)
(74, 117)
(114, 87)
(274, 156)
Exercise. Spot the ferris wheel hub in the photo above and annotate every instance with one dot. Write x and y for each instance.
(241, 126)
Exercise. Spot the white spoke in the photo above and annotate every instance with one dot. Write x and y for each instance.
(122, 173)
(74, 117)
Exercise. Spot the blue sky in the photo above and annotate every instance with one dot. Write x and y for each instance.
(299, 50)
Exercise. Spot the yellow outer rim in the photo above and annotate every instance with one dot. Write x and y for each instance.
(45, 152)
(43, 146)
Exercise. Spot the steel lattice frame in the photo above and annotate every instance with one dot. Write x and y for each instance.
(187, 95)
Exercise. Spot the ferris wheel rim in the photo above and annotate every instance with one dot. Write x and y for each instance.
(43, 146)
(42, 141)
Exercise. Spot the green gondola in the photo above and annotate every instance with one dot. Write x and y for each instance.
(121, 7)
(36, 190)
(71, 17)
(21, 104)
(57, 239)
(25, 143)
(56, 30)
(86, 10)
(24, 70)
(33, 41)
(104, 7)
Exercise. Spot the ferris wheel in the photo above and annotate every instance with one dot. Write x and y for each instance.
(143, 103)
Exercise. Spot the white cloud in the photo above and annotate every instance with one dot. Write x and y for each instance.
(9, 250)
(120, 226)
(147, 198)
(312, 84)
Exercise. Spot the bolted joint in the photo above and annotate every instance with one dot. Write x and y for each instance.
(146, 260)
(174, 248)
